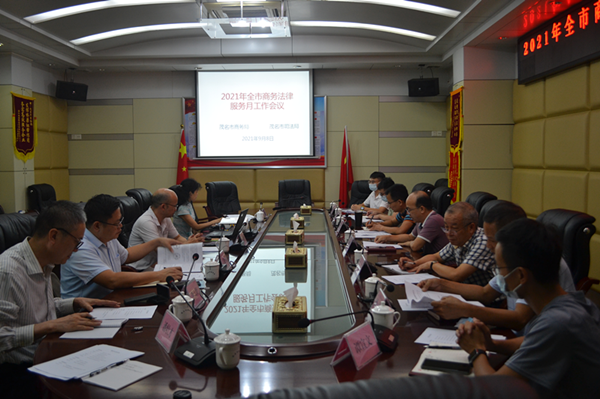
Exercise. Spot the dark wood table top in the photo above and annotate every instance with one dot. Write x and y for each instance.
(250, 377)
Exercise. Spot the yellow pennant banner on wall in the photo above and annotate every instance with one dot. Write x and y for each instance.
(24, 127)
(456, 138)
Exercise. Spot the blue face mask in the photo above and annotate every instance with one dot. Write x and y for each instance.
(372, 187)
(502, 285)
(384, 199)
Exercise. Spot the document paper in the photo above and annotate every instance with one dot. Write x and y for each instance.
(442, 337)
(106, 330)
(181, 257)
(125, 374)
(130, 312)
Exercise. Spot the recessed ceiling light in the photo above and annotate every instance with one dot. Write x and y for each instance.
(356, 25)
(1, 44)
(134, 30)
(95, 6)
(409, 5)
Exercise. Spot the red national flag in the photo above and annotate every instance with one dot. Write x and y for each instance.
(182, 160)
(346, 177)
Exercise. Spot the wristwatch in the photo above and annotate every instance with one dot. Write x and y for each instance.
(473, 355)
(362, 208)
(431, 267)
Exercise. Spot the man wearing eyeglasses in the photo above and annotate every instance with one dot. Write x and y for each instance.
(28, 310)
(467, 250)
(95, 270)
(156, 223)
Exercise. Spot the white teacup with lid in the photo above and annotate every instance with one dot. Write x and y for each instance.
(371, 285)
(211, 270)
(385, 316)
(228, 350)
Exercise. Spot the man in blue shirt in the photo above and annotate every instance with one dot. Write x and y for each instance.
(560, 352)
(401, 222)
(95, 270)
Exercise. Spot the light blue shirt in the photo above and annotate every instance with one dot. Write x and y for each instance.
(90, 260)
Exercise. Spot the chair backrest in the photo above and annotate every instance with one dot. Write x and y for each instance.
(14, 227)
(130, 211)
(575, 229)
(222, 198)
(294, 193)
(359, 192)
(441, 182)
(39, 196)
(142, 196)
(440, 198)
(448, 386)
(478, 199)
(428, 188)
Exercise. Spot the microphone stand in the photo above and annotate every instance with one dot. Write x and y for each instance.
(187, 280)
(199, 351)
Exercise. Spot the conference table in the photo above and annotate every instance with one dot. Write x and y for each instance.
(242, 302)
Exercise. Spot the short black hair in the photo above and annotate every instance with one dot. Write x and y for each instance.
(531, 245)
(503, 213)
(377, 175)
(397, 192)
(58, 215)
(423, 200)
(184, 189)
(100, 208)
(385, 183)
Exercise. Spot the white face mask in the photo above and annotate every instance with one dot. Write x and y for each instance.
(372, 186)
(502, 286)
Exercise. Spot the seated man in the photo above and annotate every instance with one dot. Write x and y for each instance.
(560, 352)
(467, 250)
(402, 222)
(156, 223)
(518, 313)
(374, 201)
(28, 310)
(427, 237)
(95, 270)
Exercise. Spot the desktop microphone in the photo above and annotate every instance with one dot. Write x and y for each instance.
(388, 287)
(199, 351)
(187, 280)
(305, 322)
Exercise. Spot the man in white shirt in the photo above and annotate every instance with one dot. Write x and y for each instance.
(375, 201)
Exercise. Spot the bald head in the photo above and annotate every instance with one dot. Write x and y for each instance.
(163, 196)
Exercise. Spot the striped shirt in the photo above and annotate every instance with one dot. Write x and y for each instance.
(25, 300)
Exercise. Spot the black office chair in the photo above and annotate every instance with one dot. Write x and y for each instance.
(441, 182)
(575, 229)
(448, 386)
(294, 193)
(39, 196)
(142, 196)
(14, 227)
(426, 187)
(441, 198)
(478, 199)
(221, 199)
(359, 192)
(130, 211)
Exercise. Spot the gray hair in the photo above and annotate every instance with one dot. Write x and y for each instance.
(466, 210)
(61, 214)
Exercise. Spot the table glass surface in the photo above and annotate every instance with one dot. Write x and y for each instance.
(244, 305)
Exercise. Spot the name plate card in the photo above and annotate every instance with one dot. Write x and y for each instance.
(193, 290)
(348, 244)
(360, 343)
(380, 297)
(225, 260)
(170, 331)
(243, 239)
(357, 269)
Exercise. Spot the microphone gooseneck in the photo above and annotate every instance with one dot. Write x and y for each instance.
(303, 323)
(194, 259)
(171, 282)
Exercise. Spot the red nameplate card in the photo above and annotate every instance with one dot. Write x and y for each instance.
(360, 343)
(225, 260)
(193, 289)
(357, 270)
(171, 329)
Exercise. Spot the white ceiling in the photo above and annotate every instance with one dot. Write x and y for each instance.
(480, 23)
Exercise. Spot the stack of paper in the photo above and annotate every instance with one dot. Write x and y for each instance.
(377, 246)
(130, 312)
(370, 234)
(442, 337)
(418, 300)
(85, 362)
(106, 330)
(412, 278)
(394, 268)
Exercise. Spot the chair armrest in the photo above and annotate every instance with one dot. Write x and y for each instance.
(586, 283)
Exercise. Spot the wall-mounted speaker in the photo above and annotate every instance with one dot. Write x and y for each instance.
(71, 91)
(423, 87)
